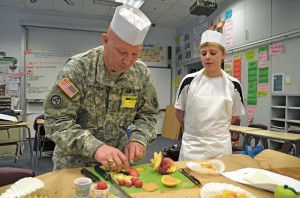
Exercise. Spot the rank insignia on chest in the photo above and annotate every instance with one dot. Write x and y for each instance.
(129, 101)
(68, 87)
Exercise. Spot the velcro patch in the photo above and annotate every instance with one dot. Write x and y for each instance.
(56, 100)
(68, 87)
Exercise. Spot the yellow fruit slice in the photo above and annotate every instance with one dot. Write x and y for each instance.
(229, 194)
(242, 196)
(209, 166)
(169, 181)
(157, 160)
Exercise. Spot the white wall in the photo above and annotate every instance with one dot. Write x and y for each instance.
(12, 37)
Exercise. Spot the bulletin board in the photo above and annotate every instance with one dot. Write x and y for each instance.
(281, 62)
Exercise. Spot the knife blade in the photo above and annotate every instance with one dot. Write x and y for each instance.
(191, 177)
(122, 193)
(89, 174)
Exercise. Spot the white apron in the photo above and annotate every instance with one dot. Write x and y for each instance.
(206, 125)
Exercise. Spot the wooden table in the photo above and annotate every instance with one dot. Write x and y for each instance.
(60, 183)
(236, 128)
(249, 132)
(21, 125)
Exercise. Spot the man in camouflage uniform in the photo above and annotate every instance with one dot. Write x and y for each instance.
(97, 96)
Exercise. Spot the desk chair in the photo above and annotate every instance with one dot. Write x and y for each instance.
(264, 142)
(288, 148)
(10, 175)
(42, 143)
(235, 137)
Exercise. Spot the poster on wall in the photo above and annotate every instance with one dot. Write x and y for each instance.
(277, 82)
(154, 55)
(9, 76)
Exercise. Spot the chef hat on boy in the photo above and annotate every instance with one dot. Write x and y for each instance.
(130, 24)
(213, 36)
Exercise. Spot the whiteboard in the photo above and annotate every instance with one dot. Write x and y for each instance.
(50, 48)
(41, 70)
(43, 67)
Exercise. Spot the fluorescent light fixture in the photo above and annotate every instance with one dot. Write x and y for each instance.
(115, 3)
(134, 3)
(70, 2)
(108, 2)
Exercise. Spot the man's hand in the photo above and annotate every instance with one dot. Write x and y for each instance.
(111, 158)
(135, 151)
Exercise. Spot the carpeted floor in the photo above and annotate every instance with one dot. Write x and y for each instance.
(45, 162)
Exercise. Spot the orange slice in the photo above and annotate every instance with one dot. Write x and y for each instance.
(169, 181)
(210, 166)
(229, 194)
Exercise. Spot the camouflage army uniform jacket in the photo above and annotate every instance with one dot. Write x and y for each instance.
(98, 113)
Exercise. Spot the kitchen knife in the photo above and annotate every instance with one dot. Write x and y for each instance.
(115, 186)
(89, 174)
(191, 177)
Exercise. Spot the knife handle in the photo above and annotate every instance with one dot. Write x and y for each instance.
(103, 173)
(89, 174)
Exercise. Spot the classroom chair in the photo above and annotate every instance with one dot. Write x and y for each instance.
(288, 148)
(235, 136)
(263, 141)
(42, 143)
(10, 175)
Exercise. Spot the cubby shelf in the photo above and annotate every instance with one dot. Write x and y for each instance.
(285, 112)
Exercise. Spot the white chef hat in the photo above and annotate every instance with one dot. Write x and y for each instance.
(130, 24)
(213, 36)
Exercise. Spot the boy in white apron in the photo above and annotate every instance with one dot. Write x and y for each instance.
(207, 102)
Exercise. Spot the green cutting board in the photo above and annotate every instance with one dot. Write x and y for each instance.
(148, 174)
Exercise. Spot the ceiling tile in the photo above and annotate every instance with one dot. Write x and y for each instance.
(169, 19)
(10, 3)
(152, 16)
(188, 3)
(178, 11)
(154, 7)
(96, 9)
(42, 5)
(62, 6)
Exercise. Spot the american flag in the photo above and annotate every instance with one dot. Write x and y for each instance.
(68, 87)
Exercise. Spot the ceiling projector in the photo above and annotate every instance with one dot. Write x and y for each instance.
(203, 7)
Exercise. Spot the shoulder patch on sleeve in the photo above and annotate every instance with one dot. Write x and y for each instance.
(68, 87)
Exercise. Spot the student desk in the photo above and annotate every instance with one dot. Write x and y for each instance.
(60, 183)
(20, 125)
(249, 132)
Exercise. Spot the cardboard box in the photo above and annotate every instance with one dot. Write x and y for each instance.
(171, 126)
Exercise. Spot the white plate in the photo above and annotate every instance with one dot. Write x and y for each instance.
(241, 174)
(211, 189)
(23, 187)
(220, 167)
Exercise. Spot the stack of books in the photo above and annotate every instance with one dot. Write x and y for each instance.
(7, 119)
(5, 103)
